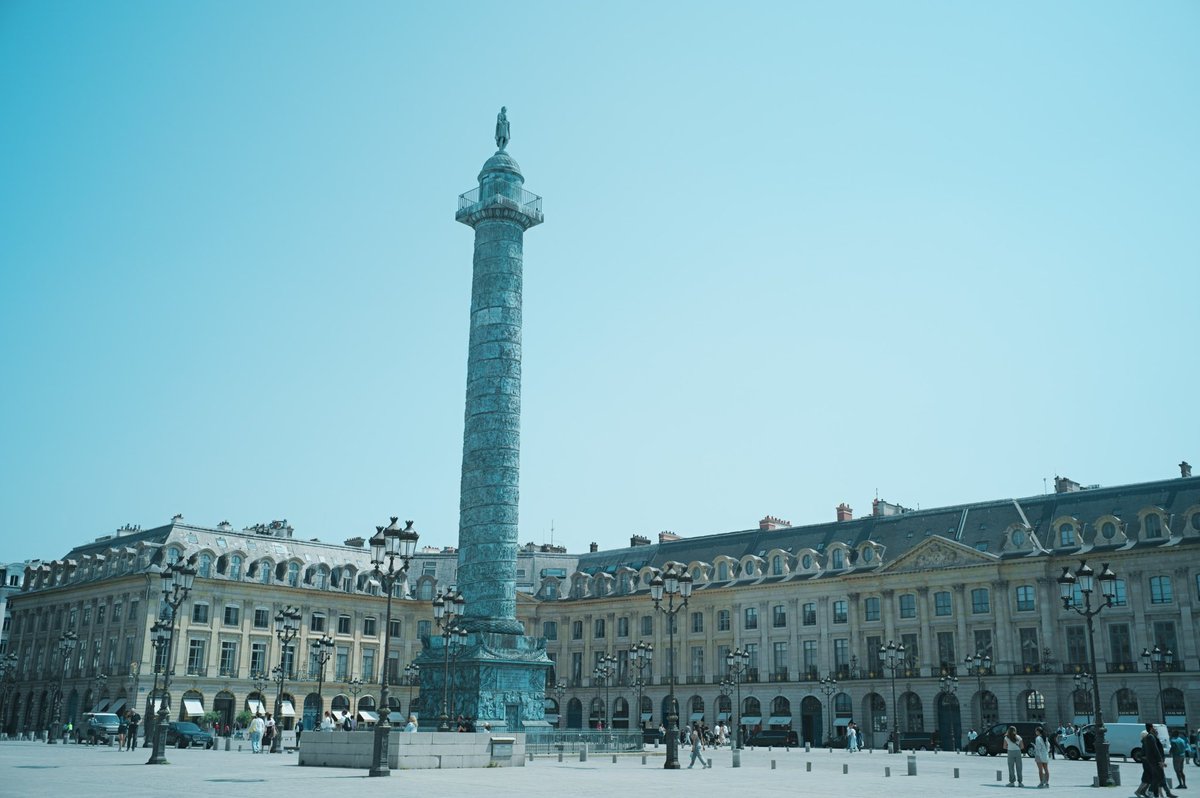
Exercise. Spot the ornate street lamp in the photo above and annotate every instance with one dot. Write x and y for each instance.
(606, 666)
(412, 671)
(1082, 682)
(159, 637)
(948, 688)
(447, 608)
(977, 665)
(175, 583)
(737, 662)
(643, 656)
(287, 627)
(354, 686)
(829, 686)
(672, 586)
(390, 544)
(1084, 579)
(1159, 661)
(322, 653)
(560, 690)
(66, 644)
(893, 658)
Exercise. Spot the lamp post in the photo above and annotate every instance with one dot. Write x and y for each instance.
(411, 673)
(606, 666)
(977, 665)
(1084, 579)
(458, 644)
(828, 686)
(322, 653)
(892, 658)
(354, 686)
(159, 637)
(737, 662)
(135, 674)
(447, 608)
(1159, 661)
(390, 544)
(175, 583)
(560, 690)
(1081, 684)
(643, 657)
(66, 644)
(726, 687)
(672, 586)
(287, 626)
(948, 687)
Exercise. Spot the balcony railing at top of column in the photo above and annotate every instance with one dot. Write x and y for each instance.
(526, 201)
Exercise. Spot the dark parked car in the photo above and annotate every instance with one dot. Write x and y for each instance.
(781, 738)
(991, 742)
(650, 736)
(97, 728)
(185, 733)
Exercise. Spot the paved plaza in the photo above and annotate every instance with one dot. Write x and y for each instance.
(28, 769)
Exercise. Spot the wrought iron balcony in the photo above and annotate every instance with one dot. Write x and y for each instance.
(230, 671)
(695, 678)
(526, 202)
(779, 675)
(1075, 667)
(1123, 667)
(197, 670)
(751, 675)
(1034, 667)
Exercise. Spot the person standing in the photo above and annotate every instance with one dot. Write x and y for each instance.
(411, 726)
(269, 732)
(257, 728)
(1179, 752)
(327, 722)
(1012, 749)
(1041, 755)
(852, 737)
(131, 739)
(697, 742)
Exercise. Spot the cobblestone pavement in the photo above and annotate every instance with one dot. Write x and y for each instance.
(30, 769)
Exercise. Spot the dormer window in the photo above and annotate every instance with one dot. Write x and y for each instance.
(839, 558)
(1066, 534)
(723, 571)
(1153, 526)
(777, 565)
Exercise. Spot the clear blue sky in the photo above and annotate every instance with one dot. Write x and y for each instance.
(794, 254)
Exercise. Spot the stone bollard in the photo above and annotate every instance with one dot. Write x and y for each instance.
(772, 764)
(845, 770)
(560, 756)
(583, 753)
(737, 758)
(227, 744)
(808, 767)
(912, 766)
(643, 759)
(887, 773)
(956, 773)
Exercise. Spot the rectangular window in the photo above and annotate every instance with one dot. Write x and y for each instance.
(647, 625)
(577, 668)
(1164, 636)
(550, 630)
(751, 661)
(697, 665)
(779, 661)
(100, 614)
(1120, 647)
(341, 663)
(810, 614)
(908, 606)
(697, 622)
(722, 620)
(598, 630)
(87, 616)
(316, 622)
(841, 654)
(942, 604)
(778, 616)
(370, 627)
(368, 665)
(1119, 597)
(874, 667)
(1077, 648)
(424, 629)
(229, 658)
(116, 616)
(623, 626)
(840, 611)
(258, 658)
(1160, 589)
(232, 615)
(912, 655)
(343, 625)
(946, 658)
(751, 616)
(871, 609)
(262, 618)
(1025, 599)
(983, 642)
(810, 658)
(1030, 653)
(199, 613)
(195, 660)
(133, 609)
(576, 630)
(981, 601)
(395, 629)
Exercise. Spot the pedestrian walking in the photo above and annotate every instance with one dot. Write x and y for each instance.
(131, 739)
(327, 722)
(697, 742)
(1012, 749)
(852, 737)
(1154, 777)
(1179, 753)
(1041, 755)
(257, 728)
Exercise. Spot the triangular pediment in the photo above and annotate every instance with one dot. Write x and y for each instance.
(939, 552)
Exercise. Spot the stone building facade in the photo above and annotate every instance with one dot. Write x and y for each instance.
(806, 602)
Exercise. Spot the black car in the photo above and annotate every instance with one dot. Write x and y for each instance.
(185, 734)
(991, 742)
(779, 738)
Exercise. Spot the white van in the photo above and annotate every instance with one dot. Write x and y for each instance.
(1124, 739)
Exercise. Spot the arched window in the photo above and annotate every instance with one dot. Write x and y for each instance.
(749, 569)
(1066, 534)
(235, 567)
(173, 555)
(1153, 526)
(839, 558)
(1035, 707)
(777, 565)
(264, 572)
(293, 574)
(1127, 705)
(204, 568)
(322, 579)
(1173, 705)
(751, 708)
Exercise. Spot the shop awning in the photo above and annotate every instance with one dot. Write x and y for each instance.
(192, 706)
(695, 716)
(751, 720)
(100, 705)
(158, 704)
(722, 716)
(339, 714)
(646, 716)
(116, 707)
(779, 720)
(287, 710)
(395, 717)
(254, 705)
(368, 716)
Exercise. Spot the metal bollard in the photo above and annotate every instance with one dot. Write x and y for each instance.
(772, 764)
(227, 744)
(845, 769)
(956, 773)
(560, 756)
(737, 758)
(912, 766)
(643, 759)
(887, 773)
(614, 759)
(808, 767)
(807, 747)
(583, 753)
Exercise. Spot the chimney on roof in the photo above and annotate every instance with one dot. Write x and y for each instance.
(638, 540)
(844, 513)
(1064, 485)
(593, 547)
(771, 522)
(667, 537)
(355, 543)
(881, 508)
(1185, 470)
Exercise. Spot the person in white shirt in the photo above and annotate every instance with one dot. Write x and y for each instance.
(412, 724)
(257, 727)
(327, 722)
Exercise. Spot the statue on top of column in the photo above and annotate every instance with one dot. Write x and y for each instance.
(502, 129)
